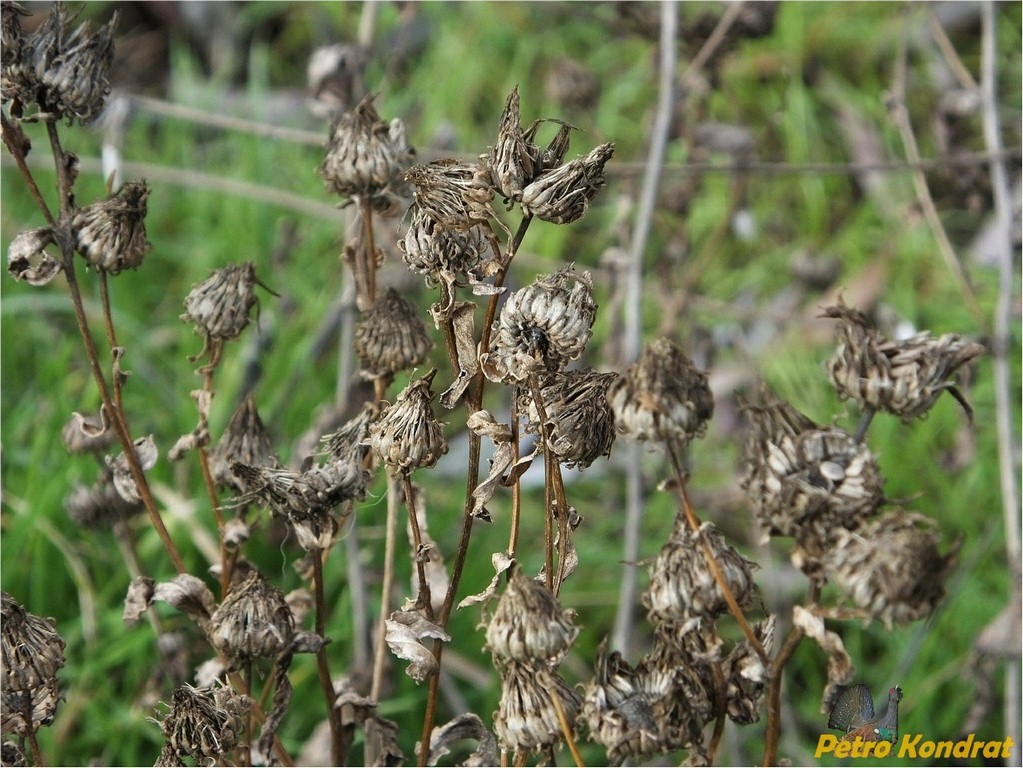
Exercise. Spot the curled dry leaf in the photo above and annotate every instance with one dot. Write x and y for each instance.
(382, 742)
(145, 449)
(840, 666)
(140, 595)
(429, 553)
(405, 632)
(28, 260)
(188, 594)
(279, 707)
(502, 562)
(466, 726)
(460, 315)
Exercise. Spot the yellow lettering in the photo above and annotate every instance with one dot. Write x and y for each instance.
(883, 749)
(944, 749)
(927, 749)
(843, 748)
(962, 748)
(826, 743)
(1007, 747)
(992, 749)
(909, 745)
(977, 746)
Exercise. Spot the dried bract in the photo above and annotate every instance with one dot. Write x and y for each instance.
(682, 586)
(111, 234)
(391, 337)
(564, 194)
(804, 480)
(28, 260)
(407, 436)
(581, 422)
(444, 255)
(526, 718)
(205, 723)
(99, 506)
(542, 327)
(87, 434)
(456, 195)
(662, 396)
(147, 454)
(529, 624)
(253, 622)
(746, 675)
(365, 155)
(511, 164)
(246, 440)
(350, 441)
(892, 567)
(902, 377)
(33, 652)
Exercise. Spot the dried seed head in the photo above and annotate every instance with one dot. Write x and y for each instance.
(511, 164)
(564, 194)
(253, 622)
(87, 434)
(526, 718)
(892, 567)
(542, 327)
(806, 481)
(407, 435)
(662, 396)
(11, 754)
(682, 585)
(746, 676)
(442, 254)
(305, 499)
(902, 377)
(365, 155)
(99, 506)
(28, 259)
(205, 723)
(10, 36)
(350, 441)
(391, 337)
(456, 195)
(33, 652)
(124, 481)
(581, 420)
(219, 306)
(246, 441)
(65, 72)
(111, 234)
(529, 624)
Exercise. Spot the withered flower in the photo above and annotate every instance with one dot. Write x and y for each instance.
(111, 234)
(253, 621)
(147, 454)
(10, 34)
(305, 499)
(511, 164)
(11, 753)
(219, 306)
(365, 155)
(99, 505)
(529, 624)
(64, 71)
(542, 327)
(350, 441)
(902, 377)
(456, 195)
(87, 434)
(205, 723)
(391, 337)
(442, 254)
(582, 426)
(564, 194)
(746, 675)
(28, 259)
(246, 440)
(892, 567)
(526, 719)
(407, 435)
(662, 396)
(682, 585)
(804, 480)
(33, 653)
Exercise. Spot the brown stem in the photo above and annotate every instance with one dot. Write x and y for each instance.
(715, 568)
(566, 727)
(246, 752)
(18, 154)
(390, 534)
(721, 701)
(554, 484)
(774, 695)
(472, 480)
(338, 747)
(516, 512)
(33, 742)
(423, 598)
(108, 322)
(226, 561)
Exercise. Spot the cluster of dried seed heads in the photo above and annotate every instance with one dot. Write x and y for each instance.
(33, 653)
(252, 622)
(203, 723)
(391, 337)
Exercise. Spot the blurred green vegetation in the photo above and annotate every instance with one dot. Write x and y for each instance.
(784, 88)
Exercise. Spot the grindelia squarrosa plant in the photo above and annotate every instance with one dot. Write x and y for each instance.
(518, 377)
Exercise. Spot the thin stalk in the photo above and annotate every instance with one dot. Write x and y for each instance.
(865, 419)
(338, 747)
(423, 598)
(246, 753)
(108, 322)
(390, 534)
(226, 561)
(19, 158)
(566, 728)
(37, 755)
(715, 568)
(720, 715)
(516, 512)
(472, 480)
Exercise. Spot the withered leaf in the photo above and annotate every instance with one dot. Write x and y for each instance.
(145, 449)
(502, 562)
(466, 726)
(274, 718)
(140, 594)
(461, 316)
(382, 742)
(405, 632)
(188, 594)
(840, 666)
(28, 260)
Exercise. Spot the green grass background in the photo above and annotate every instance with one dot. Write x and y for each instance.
(473, 54)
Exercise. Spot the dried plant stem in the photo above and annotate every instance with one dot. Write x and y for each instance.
(108, 322)
(386, 588)
(715, 568)
(18, 153)
(474, 404)
(33, 742)
(246, 752)
(721, 699)
(566, 728)
(516, 512)
(423, 598)
(865, 419)
(338, 747)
